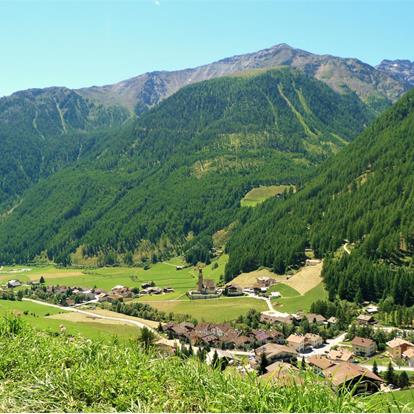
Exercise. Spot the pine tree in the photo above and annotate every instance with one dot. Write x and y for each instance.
(375, 367)
(389, 374)
(215, 360)
(303, 363)
(262, 364)
(146, 338)
(403, 380)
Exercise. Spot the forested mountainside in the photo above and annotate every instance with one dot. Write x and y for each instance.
(364, 195)
(377, 88)
(181, 169)
(42, 130)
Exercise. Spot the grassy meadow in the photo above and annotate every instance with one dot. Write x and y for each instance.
(210, 310)
(164, 275)
(259, 194)
(294, 304)
(51, 319)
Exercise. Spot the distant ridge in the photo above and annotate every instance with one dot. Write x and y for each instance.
(341, 74)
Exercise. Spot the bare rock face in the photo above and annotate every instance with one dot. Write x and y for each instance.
(401, 70)
(341, 74)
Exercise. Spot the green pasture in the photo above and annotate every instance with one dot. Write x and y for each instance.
(210, 310)
(300, 303)
(259, 194)
(285, 290)
(37, 317)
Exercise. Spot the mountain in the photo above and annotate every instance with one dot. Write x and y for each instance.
(42, 130)
(375, 87)
(173, 177)
(401, 70)
(363, 196)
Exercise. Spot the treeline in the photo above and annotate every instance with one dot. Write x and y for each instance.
(178, 173)
(363, 195)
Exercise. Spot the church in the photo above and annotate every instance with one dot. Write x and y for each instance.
(206, 288)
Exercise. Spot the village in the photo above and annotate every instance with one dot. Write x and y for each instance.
(277, 346)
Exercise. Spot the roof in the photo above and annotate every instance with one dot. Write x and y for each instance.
(262, 335)
(283, 373)
(296, 338)
(332, 319)
(409, 353)
(358, 341)
(342, 355)
(366, 318)
(271, 349)
(397, 342)
(209, 283)
(320, 361)
(312, 336)
(241, 340)
(346, 371)
(315, 317)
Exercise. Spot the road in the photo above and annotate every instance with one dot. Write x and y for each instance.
(326, 348)
(267, 300)
(385, 367)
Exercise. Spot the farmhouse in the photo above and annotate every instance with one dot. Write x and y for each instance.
(313, 340)
(261, 337)
(397, 347)
(408, 356)
(366, 320)
(319, 363)
(276, 352)
(282, 373)
(302, 342)
(276, 317)
(340, 355)
(348, 375)
(297, 342)
(363, 346)
(233, 290)
(315, 318)
(13, 283)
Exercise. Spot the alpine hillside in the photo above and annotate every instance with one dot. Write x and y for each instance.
(176, 175)
(363, 197)
(42, 130)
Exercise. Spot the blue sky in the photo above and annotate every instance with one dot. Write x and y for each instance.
(83, 43)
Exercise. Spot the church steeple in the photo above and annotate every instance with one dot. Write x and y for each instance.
(200, 283)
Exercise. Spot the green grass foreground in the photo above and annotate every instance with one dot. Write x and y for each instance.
(42, 372)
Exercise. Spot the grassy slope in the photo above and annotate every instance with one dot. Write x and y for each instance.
(38, 318)
(88, 376)
(259, 194)
(212, 310)
(301, 303)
